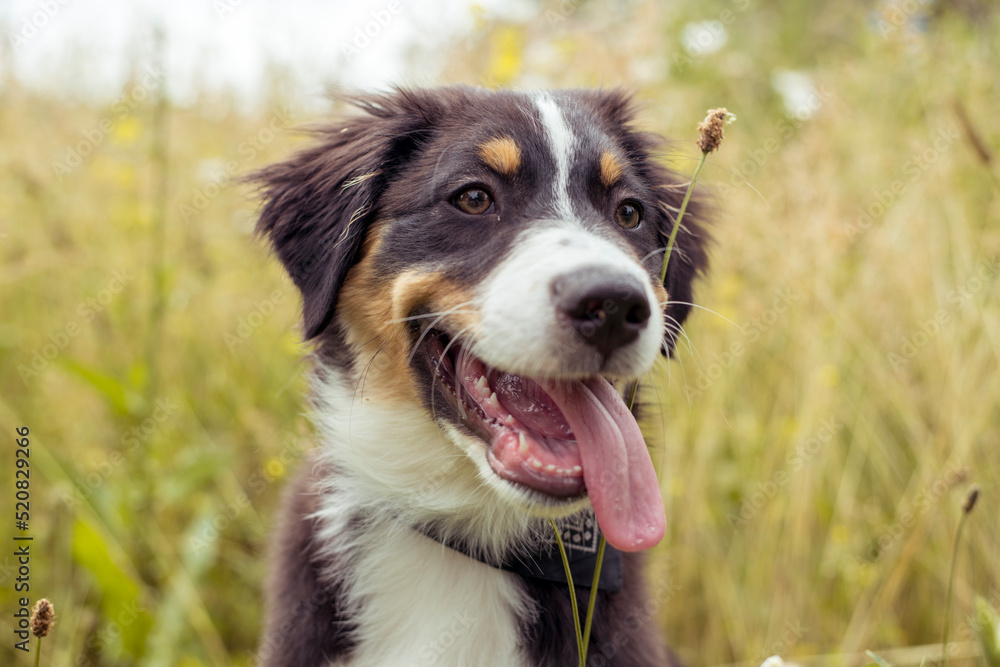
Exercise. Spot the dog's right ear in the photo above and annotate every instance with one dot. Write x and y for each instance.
(319, 203)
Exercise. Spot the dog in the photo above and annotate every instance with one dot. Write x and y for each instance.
(480, 280)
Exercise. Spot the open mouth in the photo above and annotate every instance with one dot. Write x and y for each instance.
(558, 437)
(531, 443)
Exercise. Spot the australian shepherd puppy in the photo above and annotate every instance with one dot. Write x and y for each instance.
(480, 277)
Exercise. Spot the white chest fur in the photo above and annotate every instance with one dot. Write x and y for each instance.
(413, 601)
(421, 604)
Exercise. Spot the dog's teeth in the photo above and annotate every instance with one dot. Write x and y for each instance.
(535, 463)
(482, 387)
(550, 468)
(509, 421)
(523, 444)
(577, 469)
(493, 402)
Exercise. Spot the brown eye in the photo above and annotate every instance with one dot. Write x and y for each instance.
(474, 201)
(629, 214)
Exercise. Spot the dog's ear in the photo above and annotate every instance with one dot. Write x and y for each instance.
(319, 203)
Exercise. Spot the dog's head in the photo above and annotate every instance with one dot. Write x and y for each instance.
(494, 258)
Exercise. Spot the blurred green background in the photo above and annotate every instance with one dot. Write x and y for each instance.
(826, 415)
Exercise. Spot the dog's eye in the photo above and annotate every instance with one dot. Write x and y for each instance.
(629, 214)
(474, 201)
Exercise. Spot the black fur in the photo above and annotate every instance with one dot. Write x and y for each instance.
(305, 623)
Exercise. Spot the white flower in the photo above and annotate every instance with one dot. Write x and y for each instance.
(797, 92)
(704, 37)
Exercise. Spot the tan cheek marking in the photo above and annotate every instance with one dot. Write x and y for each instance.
(414, 288)
(661, 295)
(611, 168)
(501, 154)
(373, 312)
(365, 309)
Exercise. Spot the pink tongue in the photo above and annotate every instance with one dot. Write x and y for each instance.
(617, 470)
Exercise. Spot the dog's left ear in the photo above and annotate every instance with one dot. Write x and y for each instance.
(319, 203)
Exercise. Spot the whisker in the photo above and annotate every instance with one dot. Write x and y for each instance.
(680, 361)
(672, 325)
(361, 386)
(423, 334)
(454, 309)
(438, 363)
(695, 355)
(367, 369)
(651, 254)
(695, 305)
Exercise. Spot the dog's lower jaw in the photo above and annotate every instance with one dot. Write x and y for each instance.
(522, 501)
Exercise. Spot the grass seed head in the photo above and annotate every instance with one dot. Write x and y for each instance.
(970, 500)
(43, 617)
(710, 130)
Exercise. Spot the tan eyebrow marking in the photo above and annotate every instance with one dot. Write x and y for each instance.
(501, 154)
(611, 168)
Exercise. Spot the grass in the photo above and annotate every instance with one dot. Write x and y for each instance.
(816, 438)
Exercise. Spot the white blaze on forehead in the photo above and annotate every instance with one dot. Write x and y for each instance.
(560, 140)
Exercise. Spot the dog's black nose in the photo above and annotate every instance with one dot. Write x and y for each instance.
(607, 310)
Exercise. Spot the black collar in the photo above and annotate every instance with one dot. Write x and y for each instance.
(580, 536)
